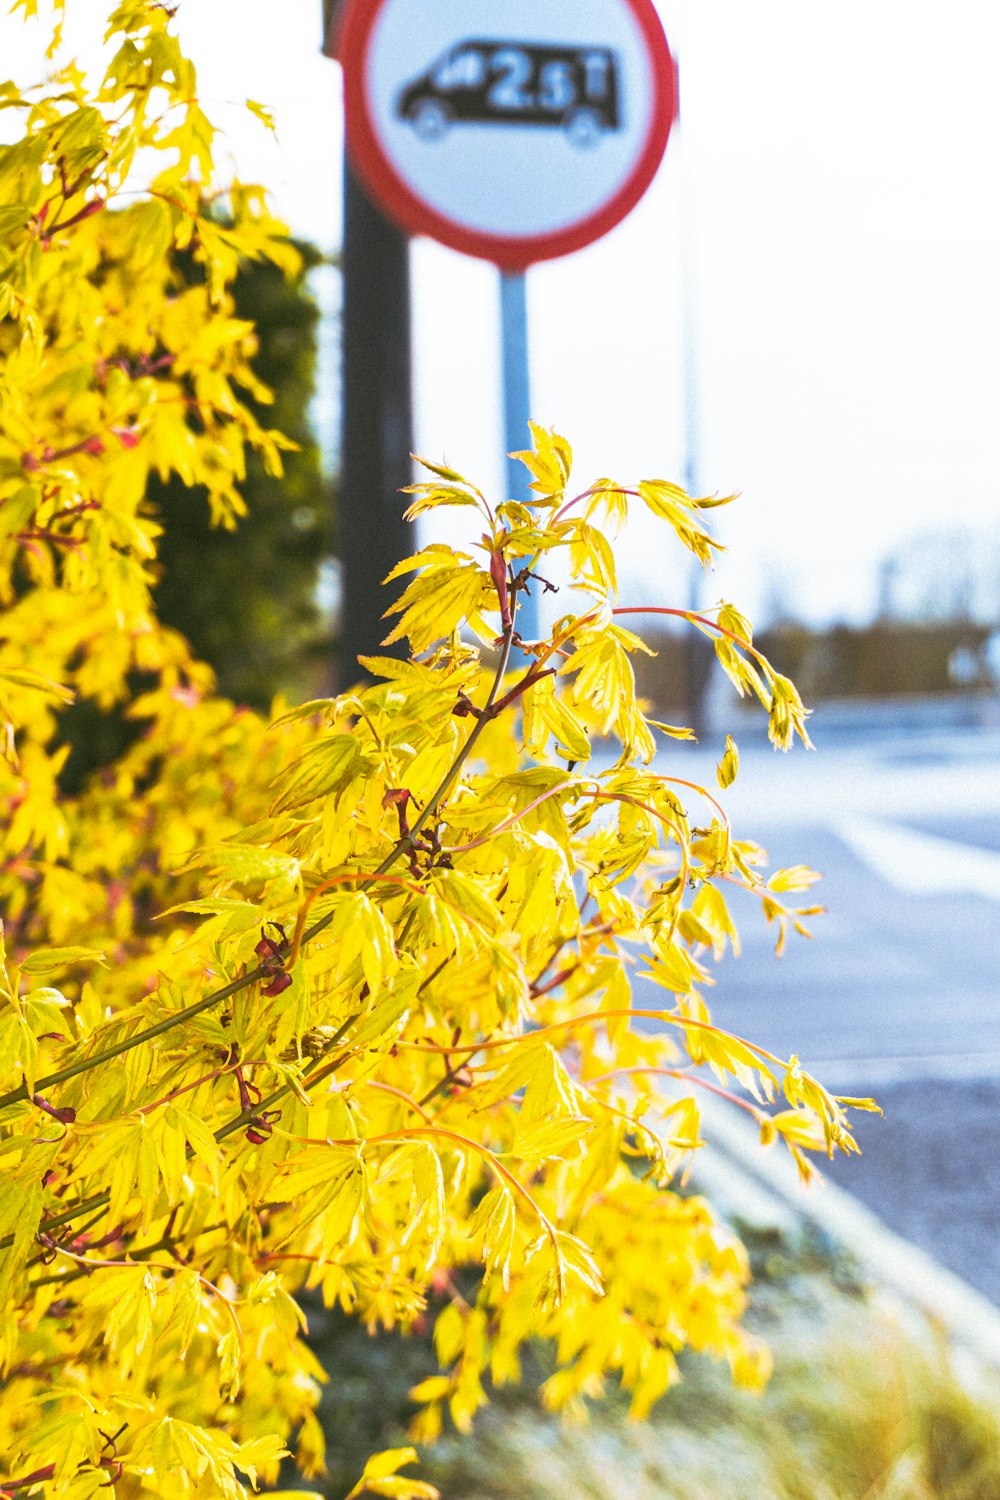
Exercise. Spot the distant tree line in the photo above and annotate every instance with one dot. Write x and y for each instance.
(884, 658)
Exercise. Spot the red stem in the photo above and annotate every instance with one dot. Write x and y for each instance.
(522, 687)
(690, 616)
(685, 1077)
(36, 1477)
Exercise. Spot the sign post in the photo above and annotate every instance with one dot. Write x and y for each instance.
(516, 371)
(377, 421)
(513, 130)
(377, 437)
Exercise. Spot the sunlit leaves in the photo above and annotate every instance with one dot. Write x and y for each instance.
(262, 113)
(729, 764)
(545, 716)
(323, 1186)
(359, 933)
(549, 463)
(795, 878)
(198, 1456)
(344, 1001)
(604, 682)
(248, 863)
(742, 672)
(444, 595)
(46, 961)
(426, 1219)
(492, 1226)
(123, 1158)
(381, 1477)
(448, 488)
(677, 508)
(787, 716)
(709, 907)
(551, 1140)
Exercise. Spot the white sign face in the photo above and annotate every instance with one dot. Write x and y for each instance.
(512, 128)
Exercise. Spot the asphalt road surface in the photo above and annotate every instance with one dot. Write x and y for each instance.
(898, 994)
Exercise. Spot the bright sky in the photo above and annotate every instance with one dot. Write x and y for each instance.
(840, 207)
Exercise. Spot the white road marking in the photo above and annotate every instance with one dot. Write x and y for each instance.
(922, 864)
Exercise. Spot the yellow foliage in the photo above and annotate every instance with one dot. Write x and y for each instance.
(344, 1000)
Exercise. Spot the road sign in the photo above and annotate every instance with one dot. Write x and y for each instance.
(515, 130)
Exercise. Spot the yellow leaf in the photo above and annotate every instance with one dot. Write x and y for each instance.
(729, 764)
(125, 1155)
(710, 909)
(495, 1219)
(383, 1466)
(675, 731)
(262, 113)
(398, 1487)
(434, 1388)
(325, 769)
(45, 961)
(549, 462)
(247, 862)
(437, 602)
(229, 1356)
(545, 714)
(552, 1140)
(794, 878)
(671, 968)
(675, 506)
(430, 496)
(24, 677)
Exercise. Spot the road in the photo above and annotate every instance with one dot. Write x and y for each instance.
(898, 995)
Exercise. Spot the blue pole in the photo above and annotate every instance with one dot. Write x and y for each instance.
(516, 412)
(695, 683)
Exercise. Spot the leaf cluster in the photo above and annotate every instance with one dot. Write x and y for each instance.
(340, 1002)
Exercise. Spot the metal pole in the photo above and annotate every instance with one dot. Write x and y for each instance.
(695, 652)
(516, 412)
(378, 423)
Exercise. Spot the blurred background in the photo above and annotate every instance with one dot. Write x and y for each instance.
(822, 237)
(805, 308)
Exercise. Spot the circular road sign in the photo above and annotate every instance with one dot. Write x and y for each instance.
(515, 130)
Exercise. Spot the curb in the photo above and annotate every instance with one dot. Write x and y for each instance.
(763, 1187)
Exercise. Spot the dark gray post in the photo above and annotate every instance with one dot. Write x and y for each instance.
(377, 423)
(377, 435)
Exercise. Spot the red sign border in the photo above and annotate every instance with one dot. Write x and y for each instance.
(513, 252)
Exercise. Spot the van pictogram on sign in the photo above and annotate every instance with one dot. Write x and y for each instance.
(511, 129)
(494, 82)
